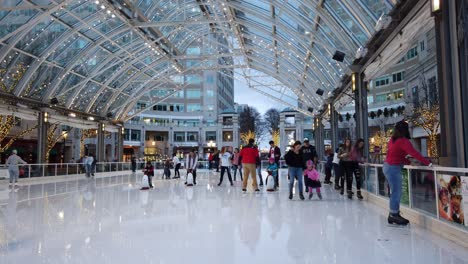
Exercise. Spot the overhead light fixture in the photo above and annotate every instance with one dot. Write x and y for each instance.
(91, 118)
(320, 92)
(353, 81)
(109, 115)
(339, 56)
(435, 6)
(46, 117)
(310, 109)
(72, 115)
(54, 101)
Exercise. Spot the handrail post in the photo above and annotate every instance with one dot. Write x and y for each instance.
(29, 170)
(410, 196)
(436, 193)
(55, 169)
(67, 169)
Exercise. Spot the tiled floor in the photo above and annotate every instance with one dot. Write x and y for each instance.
(109, 220)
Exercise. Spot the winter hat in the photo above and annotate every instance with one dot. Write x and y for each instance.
(310, 163)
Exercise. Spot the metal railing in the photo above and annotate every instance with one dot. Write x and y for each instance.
(439, 192)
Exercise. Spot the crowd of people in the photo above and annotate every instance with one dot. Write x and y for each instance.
(301, 159)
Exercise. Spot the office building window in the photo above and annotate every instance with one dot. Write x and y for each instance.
(210, 135)
(210, 79)
(422, 45)
(381, 98)
(227, 136)
(209, 93)
(382, 81)
(412, 53)
(135, 135)
(192, 79)
(193, 108)
(398, 77)
(179, 136)
(192, 136)
(191, 94)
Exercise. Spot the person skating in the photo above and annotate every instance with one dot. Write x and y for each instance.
(312, 180)
(249, 154)
(236, 163)
(191, 165)
(339, 179)
(216, 160)
(258, 165)
(167, 169)
(13, 168)
(225, 166)
(133, 165)
(308, 152)
(275, 153)
(347, 166)
(357, 158)
(177, 164)
(398, 148)
(272, 170)
(149, 171)
(328, 166)
(294, 159)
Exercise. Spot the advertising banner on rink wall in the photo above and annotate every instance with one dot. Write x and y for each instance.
(453, 195)
(464, 183)
(404, 187)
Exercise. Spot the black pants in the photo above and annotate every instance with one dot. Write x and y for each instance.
(216, 164)
(350, 168)
(328, 174)
(167, 173)
(339, 179)
(223, 169)
(176, 171)
(150, 181)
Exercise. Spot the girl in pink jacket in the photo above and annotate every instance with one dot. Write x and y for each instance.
(312, 179)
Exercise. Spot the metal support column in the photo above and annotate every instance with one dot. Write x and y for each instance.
(119, 144)
(42, 129)
(100, 145)
(452, 143)
(334, 127)
(360, 97)
(319, 136)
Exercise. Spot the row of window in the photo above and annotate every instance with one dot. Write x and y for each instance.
(395, 95)
(179, 107)
(395, 78)
(135, 134)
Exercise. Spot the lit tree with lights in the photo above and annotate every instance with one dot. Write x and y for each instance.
(85, 133)
(52, 138)
(423, 111)
(246, 136)
(6, 124)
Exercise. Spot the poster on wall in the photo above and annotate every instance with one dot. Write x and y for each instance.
(372, 179)
(464, 186)
(404, 187)
(450, 203)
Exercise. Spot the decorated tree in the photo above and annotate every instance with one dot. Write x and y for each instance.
(423, 110)
(52, 138)
(246, 136)
(7, 123)
(85, 133)
(275, 135)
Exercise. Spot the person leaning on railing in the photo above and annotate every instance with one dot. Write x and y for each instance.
(399, 147)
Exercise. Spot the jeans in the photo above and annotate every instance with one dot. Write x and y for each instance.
(259, 173)
(339, 180)
(235, 168)
(295, 172)
(14, 173)
(394, 178)
(223, 169)
(88, 168)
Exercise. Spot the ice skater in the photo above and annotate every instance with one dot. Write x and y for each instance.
(312, 180)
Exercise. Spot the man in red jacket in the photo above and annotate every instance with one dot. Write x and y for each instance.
(249, 155)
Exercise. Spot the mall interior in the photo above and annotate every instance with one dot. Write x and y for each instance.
(91, 92)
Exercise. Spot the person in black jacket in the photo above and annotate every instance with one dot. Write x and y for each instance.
(328, 166)
(294, 159)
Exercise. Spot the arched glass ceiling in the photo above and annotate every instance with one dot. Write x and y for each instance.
(103, 56)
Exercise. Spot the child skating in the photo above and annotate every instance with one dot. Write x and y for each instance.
(312, 180)
(272, 178)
